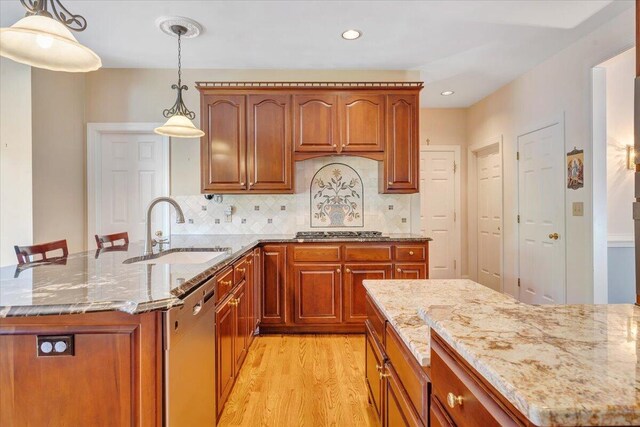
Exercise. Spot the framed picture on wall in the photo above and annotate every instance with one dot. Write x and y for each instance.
(575, 169)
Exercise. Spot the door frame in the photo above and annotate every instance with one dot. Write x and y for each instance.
(94, 137)
(472, 204)
(555, 119)
(457, 199)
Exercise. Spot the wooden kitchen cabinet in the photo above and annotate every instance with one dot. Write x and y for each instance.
(400, 171)
(224, 145)
(410, 271)
(354, 291)
(315, 123)
(374, 360)
(362, 122)
(269, 143)
(257, 288)
(241, 317)
(274, 277)
(317, 293)
(398, 410)
(226, 327)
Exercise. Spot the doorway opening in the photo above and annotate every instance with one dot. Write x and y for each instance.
(613, 190)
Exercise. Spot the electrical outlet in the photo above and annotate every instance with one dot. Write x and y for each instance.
(578, 208)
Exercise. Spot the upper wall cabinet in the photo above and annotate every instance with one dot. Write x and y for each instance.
(255, 131)
(362, 125)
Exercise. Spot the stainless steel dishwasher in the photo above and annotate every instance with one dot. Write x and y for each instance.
(189, 351)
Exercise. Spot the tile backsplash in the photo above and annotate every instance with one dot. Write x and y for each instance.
(288, 213)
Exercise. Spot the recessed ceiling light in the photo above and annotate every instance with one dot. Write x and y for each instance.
(447, 93)
(351, 34)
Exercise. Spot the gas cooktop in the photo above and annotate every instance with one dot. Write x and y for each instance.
(339, 234)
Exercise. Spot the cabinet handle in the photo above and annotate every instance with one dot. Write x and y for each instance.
(378, 367)
(338, 270)
(348, 270)
(384, 374)
(399, 270)
(241, 270)
(249, 261)
(410, 252)
(233, 302)
(197, 308)
(226, 282)
(453, 400)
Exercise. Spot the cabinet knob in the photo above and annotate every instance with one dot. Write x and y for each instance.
(410, 252)
(335, 145)
(389, 183)
(338, 270)
(453, 400)
(250, 184)
(242, 183)
(348, 270)
(399, 270)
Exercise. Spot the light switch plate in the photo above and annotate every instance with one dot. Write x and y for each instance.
(578, 209)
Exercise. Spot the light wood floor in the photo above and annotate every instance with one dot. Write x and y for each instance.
(301, 380)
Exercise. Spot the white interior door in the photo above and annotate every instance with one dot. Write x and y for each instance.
(132, 170)
(438, 211)
(541, 173)
(489, 185)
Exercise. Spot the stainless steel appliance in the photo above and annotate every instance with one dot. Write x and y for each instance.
(339, 234)
(189, 351)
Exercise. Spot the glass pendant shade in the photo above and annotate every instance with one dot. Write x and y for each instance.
(179, 126)
(44, 42)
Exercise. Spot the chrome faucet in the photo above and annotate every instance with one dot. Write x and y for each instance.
(149, 243)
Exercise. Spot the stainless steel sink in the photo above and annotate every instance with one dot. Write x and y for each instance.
(180, 256)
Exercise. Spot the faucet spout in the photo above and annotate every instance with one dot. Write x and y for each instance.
(149, 243)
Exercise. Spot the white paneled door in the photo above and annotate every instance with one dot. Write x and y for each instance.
(132, 170)
(489, 185)
(541, 174)
(438, 211)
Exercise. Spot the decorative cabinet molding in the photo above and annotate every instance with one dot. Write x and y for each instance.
(255, 131)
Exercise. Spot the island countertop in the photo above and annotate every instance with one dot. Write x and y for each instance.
(559, 365)
(100, 281)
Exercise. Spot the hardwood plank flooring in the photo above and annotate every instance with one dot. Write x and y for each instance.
(299, 381)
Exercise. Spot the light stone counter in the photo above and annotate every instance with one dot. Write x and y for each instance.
(558, 364)
(400, 300)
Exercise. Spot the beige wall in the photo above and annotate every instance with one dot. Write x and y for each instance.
(16, 224)
(59, 158)
(448, 126)
(560, 86)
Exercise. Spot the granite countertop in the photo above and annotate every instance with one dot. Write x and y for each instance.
(557, 364)
(400, 300)
(99, 281)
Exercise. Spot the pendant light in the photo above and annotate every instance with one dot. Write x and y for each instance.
(42, 39)
(180, 123)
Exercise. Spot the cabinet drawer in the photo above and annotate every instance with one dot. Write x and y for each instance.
(375, 318)
(412, 377)
(224, 284)
(411, 253)
(316, 253)
(367, 253)
(240, 271)
(476, 406)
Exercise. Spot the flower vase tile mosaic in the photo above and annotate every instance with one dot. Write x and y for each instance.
(336, 197)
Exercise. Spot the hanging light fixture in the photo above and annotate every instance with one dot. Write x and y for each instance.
(42, 39)
(180, 123)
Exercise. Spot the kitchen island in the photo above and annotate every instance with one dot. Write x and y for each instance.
(137, 343)
(491, 360)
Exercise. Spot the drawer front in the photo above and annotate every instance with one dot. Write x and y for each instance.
(411, 375)
(411, 253)
(375, 318)
(469, 404)
(240, 271)
(324, 253)
(367, 253)
(224, 284)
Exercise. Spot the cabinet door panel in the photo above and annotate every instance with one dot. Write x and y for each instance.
(225, 337)
(241, 309)
(362, 122)
(402, 145)
(273, 289)
(316, 123)
(410, 271)
(257, 286)
(317, 293)
(373, 361)
(223, 147)
(269, 150)
(355, 310)
(399, 411)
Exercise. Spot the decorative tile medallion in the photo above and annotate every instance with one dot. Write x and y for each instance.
(337, 197)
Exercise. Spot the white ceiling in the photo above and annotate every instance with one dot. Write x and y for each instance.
(471, 47)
